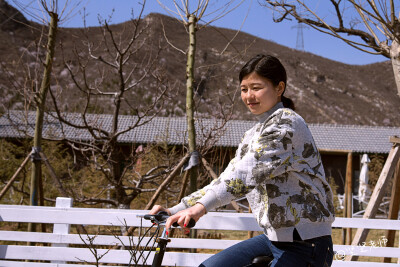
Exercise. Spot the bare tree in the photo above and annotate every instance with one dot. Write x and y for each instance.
(374, 22)
(51, 16)
(190, 15)
(119, 65)
(40, 99)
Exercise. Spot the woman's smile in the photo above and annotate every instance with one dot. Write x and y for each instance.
(252, 104)
(253, 107)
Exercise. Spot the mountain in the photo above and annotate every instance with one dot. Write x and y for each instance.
(323, 90)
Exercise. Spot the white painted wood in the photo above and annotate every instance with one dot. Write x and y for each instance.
(111, 240)
(367, 251)
(366, 223)
(59, 238)
(97, 216)
(42, 264)
(177, 243)
(62, 228)
(337, 263)
(36, 214)
(84, 255)
(71, 254)
(115, 217)
(215, 220)
(62, 254)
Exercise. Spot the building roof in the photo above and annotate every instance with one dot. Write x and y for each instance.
(362, 139)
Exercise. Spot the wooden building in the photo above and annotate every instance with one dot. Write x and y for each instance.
(341, 146)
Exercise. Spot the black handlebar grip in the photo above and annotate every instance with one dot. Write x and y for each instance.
(162, 216)
(148, 217)
(191, 224)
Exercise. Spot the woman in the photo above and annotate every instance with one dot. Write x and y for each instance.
(278, 168)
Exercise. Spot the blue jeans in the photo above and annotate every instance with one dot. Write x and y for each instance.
(316, 252)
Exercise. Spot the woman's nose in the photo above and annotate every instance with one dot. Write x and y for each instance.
(250, 94)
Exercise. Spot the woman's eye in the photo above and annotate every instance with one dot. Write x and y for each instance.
(244, 90)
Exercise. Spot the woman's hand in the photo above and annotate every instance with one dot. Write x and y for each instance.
(157, 208)
(183, 217)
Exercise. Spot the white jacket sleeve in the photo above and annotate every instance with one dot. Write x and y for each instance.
(264, 153)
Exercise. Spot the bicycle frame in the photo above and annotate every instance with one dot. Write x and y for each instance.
(161, 248)
(160, 219)
(162, 241)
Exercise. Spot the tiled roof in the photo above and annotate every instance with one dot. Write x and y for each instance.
(367, 139)
(356, 138)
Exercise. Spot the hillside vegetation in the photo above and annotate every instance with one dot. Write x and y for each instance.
(323, 90)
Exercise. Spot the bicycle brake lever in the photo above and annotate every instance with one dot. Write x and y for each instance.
(162, 216)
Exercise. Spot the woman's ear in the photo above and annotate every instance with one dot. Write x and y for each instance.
(280, 88)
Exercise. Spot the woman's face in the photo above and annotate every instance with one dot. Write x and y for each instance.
(259, 94)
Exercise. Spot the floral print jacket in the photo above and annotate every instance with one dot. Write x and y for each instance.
(278, 168)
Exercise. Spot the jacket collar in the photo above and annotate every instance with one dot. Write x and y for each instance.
(262, 117)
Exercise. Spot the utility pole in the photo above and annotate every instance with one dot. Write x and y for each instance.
(300, 37)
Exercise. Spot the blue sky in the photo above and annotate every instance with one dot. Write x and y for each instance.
(259, 23)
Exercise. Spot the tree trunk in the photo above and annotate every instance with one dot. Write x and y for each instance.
(189, 97)
(190, 105)
(41, 101)
(395, 58)
(117, 169)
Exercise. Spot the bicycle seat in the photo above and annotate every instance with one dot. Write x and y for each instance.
(262, 261)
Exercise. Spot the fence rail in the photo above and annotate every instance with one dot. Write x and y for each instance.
(67, 247)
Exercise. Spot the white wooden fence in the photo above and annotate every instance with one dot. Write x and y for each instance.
(66, 249)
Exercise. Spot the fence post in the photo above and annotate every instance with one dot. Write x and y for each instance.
(62, 228)
(348, 197)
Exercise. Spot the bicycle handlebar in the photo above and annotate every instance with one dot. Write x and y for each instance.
(162, 216)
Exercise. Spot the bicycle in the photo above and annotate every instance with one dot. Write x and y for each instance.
(162, 240)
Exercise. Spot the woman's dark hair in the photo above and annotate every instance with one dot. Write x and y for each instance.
(270, 68)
